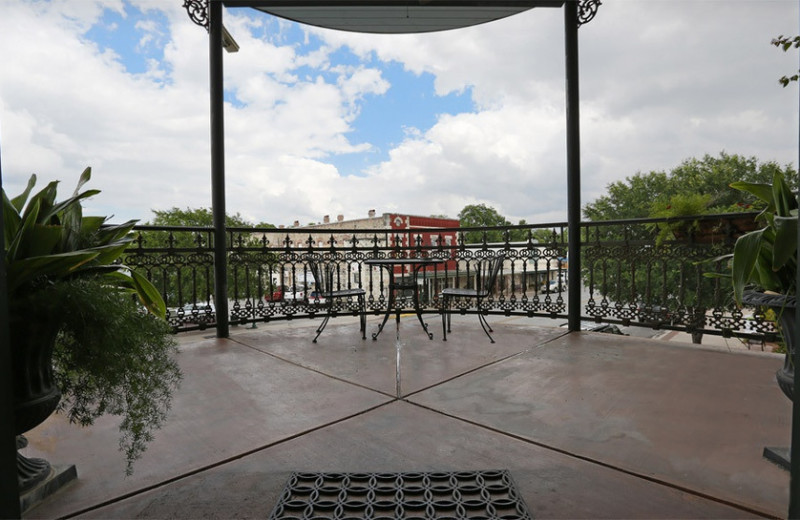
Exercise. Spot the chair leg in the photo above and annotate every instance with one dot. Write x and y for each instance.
(444, 318)
(322, 326)
(485, 325)
(362, 307)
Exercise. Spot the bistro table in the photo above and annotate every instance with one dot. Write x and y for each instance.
(405, 283)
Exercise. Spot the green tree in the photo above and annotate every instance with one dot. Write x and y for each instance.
(184, 271)
(636, 196)
(536, 235)
(194, 217)
(481, 215)
(629, 270)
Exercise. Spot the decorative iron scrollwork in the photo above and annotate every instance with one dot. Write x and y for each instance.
(197, 11)
(587, 9)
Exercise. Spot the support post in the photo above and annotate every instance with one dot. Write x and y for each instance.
(9, 491)
(218, 166)
(573, 165)
(794, 447)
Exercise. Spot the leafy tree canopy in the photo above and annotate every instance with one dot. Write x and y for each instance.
(195, 283)
(196, 217)
(709, 177)
(481, 215)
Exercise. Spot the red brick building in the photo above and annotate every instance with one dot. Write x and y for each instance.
(412, 231)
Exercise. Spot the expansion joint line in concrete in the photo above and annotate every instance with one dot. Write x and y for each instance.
(219, 463)
(606, 465)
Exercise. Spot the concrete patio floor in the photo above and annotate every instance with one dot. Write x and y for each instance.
(589, 425)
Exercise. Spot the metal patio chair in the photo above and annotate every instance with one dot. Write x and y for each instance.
(486, 278)
(326, 295)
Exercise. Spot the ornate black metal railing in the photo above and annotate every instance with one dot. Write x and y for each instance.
(649, 273)
(668, 274)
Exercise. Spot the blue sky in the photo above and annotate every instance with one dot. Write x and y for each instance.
(131, 34)
(323, 122)
(382, 120)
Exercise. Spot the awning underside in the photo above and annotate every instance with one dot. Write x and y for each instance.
(393, 19)
(393, 16)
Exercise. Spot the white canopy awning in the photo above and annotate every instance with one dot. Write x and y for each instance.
(393, 16)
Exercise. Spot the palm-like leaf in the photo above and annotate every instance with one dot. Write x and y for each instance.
(767, 258)
(48, 240)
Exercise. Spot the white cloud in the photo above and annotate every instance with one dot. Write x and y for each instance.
(661, 81)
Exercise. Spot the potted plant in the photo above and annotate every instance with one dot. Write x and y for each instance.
(82, 325)
(681, 213)
(764, 264)
(678, 206)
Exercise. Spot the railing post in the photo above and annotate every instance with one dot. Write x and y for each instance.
(573, 165)
(218, 166)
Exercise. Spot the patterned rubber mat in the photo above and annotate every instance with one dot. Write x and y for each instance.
(487, 494)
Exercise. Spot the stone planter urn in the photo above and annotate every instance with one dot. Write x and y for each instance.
(36, 394)
(784, 307)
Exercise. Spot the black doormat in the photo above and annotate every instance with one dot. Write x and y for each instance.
(440, 495)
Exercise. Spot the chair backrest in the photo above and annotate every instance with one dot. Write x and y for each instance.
(488, 272)
(323, 276)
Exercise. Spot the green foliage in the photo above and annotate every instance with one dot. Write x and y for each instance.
(695, 185)
(767, 258)
(112, 355)
(709, 176)
(112, 358)
(195, 217)
(631, 198)
(540, 235)
(47, 240)
(189, 217)
(680, 205)
(787, 43)
(481, 215)
(195, 279)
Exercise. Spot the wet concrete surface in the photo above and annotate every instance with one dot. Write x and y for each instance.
(589, 425)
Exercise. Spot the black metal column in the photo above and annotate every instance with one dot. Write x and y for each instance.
(794, 447)
(218, 166)
(794, 465)
(9, 493)
(573, 165)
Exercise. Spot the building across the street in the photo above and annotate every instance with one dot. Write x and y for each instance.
(522, 273)
(397, 230)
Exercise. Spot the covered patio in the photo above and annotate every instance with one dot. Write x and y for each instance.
(588, 425)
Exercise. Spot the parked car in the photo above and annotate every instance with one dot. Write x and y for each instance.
(314, 297)
(197, 312)
(294, 294)
(552, 287)
(277, 294)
